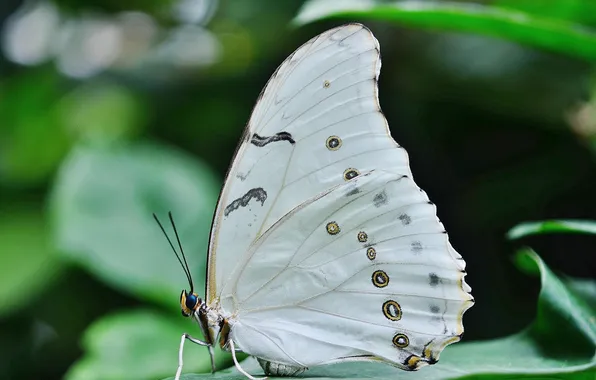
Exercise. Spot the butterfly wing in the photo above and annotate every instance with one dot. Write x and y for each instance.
(316, 124)
(364, 271)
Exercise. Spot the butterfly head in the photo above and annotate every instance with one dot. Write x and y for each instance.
(189, 303)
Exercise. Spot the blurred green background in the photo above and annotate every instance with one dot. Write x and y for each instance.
(111, 110)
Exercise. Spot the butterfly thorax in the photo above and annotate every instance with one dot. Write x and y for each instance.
(215, 323)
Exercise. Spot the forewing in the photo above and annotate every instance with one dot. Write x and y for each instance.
(316, 124)
(364, 271)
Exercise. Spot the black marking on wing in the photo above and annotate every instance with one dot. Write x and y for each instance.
(380, 199)
(405, 219)
(443, 318)
(416, 247)
(280, 136)
(258, 193)
(408, 365)
(433, 279)
(353, 191)
(430, 359)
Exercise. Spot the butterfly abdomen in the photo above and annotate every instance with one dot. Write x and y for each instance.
(279, 369)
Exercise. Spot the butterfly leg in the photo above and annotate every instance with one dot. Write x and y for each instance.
(204, 323)
(212, 357)
(238, 367)
(183, 339)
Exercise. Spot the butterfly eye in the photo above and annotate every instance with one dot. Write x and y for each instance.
(191, 301)
(185, 310)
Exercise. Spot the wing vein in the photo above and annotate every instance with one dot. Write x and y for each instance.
(281, 107)
(297, 249)
(285, 185)
(289, 72)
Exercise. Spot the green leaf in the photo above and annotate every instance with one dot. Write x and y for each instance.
(561, 312)
(102, 205)
(115, 6)
(552, 226)
(540, 31)
(32, 141)
(102, 112)
(27, 262)
(140, 344)
(584, 289)
(582, 11)
(560, 344)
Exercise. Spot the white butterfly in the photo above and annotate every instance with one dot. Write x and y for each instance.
(323, 249)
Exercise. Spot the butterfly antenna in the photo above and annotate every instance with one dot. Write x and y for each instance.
(184, 267)
(181, 251)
